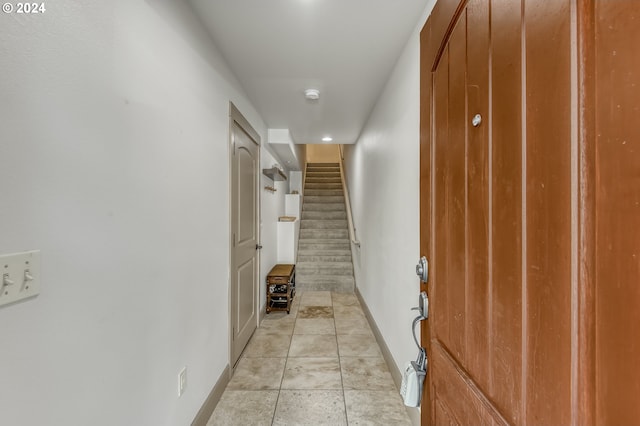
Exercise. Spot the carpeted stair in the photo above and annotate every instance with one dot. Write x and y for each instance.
(324, 248)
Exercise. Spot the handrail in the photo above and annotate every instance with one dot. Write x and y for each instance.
(347, 201)
(304, 178)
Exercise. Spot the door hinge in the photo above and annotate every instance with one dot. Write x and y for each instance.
(234, 239)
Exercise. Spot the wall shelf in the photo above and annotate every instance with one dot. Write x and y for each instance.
(274, 173)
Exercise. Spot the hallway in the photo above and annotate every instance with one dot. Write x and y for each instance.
(319, 365)
(127, 197)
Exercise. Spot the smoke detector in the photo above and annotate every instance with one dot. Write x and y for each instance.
(312, 94)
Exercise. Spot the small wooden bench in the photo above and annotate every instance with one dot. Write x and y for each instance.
(281, 287)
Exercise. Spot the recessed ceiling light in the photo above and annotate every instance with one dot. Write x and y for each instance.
(327, 139)
(312, 94)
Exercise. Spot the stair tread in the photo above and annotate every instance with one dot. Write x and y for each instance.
(329, 252)
(317, 221)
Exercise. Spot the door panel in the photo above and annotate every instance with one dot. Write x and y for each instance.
(455, 196)
(478, 215)
(506, 209)
(548, 213)
(463, 402)
(440, 328)
(245, 296)
(247, 196)
(618, 213)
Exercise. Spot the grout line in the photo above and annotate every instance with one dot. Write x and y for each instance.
(286, 360)
(335, 328)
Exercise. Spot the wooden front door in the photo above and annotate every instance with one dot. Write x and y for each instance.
(530, 212)
(478, 327)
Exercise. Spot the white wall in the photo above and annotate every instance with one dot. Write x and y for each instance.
(383, 173)
(300, 152)
(295, 181)
(272, 205)
(114, 162)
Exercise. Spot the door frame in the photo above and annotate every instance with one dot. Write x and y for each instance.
(235, 116)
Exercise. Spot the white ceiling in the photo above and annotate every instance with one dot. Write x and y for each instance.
(344, 48)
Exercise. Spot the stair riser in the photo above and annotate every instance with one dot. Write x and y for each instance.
(314, 185)
(323, 199)
(317, 207)
(323, 193)
(323, 224)
(323, 180)
(330, 167)
(322, 259)
(341, 284)
(323, 164)
(323, 278)
(324, 270)
(329, 215)
(335, 252)
(322, 175)
(331, 234)
(323, 170)
(325, 245)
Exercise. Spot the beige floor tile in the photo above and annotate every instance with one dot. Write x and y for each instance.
(375, 408)
(358, 345)
(344, 299)
(310, 408)
(315, 326)
(313, 377)
(265, 345)
(313, 346)
(347, 312)
(274, 324)
(315, 312)
(257, 374)
(312, 373)
(353, 326)
(316, 298)
(365, 374)
(245, 408)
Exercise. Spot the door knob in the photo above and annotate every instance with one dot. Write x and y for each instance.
(422, 269)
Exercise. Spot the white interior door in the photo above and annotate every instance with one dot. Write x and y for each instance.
(244, 214)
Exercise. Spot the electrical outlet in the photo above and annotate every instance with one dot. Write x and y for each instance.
(182, 381)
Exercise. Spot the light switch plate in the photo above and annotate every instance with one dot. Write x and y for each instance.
(19, 276)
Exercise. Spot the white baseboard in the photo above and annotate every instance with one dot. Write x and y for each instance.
(396, 373)
(212, 400)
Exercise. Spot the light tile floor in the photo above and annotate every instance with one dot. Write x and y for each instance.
(319, 365)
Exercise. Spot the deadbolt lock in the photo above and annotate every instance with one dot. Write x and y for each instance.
(422, 269)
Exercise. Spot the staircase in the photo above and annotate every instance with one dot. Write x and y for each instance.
(324, 247)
